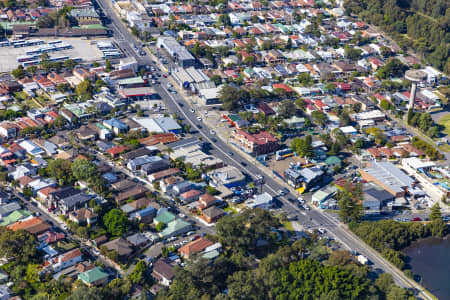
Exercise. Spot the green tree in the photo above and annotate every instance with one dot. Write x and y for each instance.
(45, 21)
(350, 203)
(83, 169)
(19, 245)
(84, 90)
(137, 276)
(319, 118)
(116, 222)
(435, 213)
(61, 170)
(18, 73)
(160, 226)
(286, 108)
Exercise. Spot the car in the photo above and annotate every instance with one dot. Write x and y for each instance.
(307, 207)
(243, 163)
(416, 219)
(285, 191)
(192, 110)
(37, 214)
(64, 226)
(212, 132)
(213, 140)
(199, 126)
(171, 239)
(230, 153)
(96, 252)
(164, 75)
(199, 118)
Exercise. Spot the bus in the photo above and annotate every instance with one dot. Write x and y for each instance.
(31, 63)
(34, 42)
(27, 58)
(58, 58)
(34, 52)
(54, 42)
(4, 43)
(113, 54)
(282, 154)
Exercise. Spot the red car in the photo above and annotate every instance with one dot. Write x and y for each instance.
(164, 75)
(416, 219)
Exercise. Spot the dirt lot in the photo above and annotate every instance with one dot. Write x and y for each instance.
(82, 48)
(281, 165)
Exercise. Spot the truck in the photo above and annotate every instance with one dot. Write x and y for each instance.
(362, 259)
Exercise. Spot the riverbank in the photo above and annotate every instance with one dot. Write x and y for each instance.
(430, 259)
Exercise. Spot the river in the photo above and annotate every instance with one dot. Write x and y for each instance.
(430, 259)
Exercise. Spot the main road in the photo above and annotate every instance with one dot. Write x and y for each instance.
(177, 104)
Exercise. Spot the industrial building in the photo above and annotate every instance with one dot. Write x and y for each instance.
(178, 52)
(388, 176)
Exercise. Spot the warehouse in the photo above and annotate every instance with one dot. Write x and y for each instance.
(178, 52)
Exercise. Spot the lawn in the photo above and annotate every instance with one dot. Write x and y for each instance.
(288, 226)
(445, 121)
(230, 210)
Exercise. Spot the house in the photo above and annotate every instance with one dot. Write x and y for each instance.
(71, 203)
(83, 216)
(33, 225)
(164, 216)
(190, 196)
(121, 246)
(212, 214)
(255, 144)
(163, 272)
(8, 208)
(134, 193)
(194, 247)
(117, 150)
(116, 126)
(63, 261)
(94, 277)
(83, 74)
(137, 240)
(146, 215)
(134, 206)
(206, 201)
(174, 228)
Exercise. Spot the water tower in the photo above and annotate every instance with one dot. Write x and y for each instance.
(415, 76)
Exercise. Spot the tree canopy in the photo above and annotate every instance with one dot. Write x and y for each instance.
(116, 222)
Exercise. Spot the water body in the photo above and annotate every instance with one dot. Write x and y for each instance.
(431, 260)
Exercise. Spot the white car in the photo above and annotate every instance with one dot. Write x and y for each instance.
(212, 132)
(64, 226)
(199, 118)
(192, 110)
(95, 251)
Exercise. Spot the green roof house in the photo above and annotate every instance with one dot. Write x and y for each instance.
(94, 277)
(14, 217)
(163, 216)
(333, 161)
(174, 228)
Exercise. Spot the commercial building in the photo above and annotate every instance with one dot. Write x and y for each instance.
(228, 176)
(178, 52)
(388, 176)
(257, 144)
(306, 177)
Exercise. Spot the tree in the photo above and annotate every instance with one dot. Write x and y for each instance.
(116, 222)
(250, 60)
(84, 90)
(435, 212)
(61, 170)
(231, 97)
(352, 53)
(319, 118)
(303, 147)
(216, 79)
(83, 169)
(18, 73)
(69, 64)
(137, 276)
(160, 226)
(85, 293)
(20, 245)
(350, 203)
(108, 65)
(286, 108)
(45, 22)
